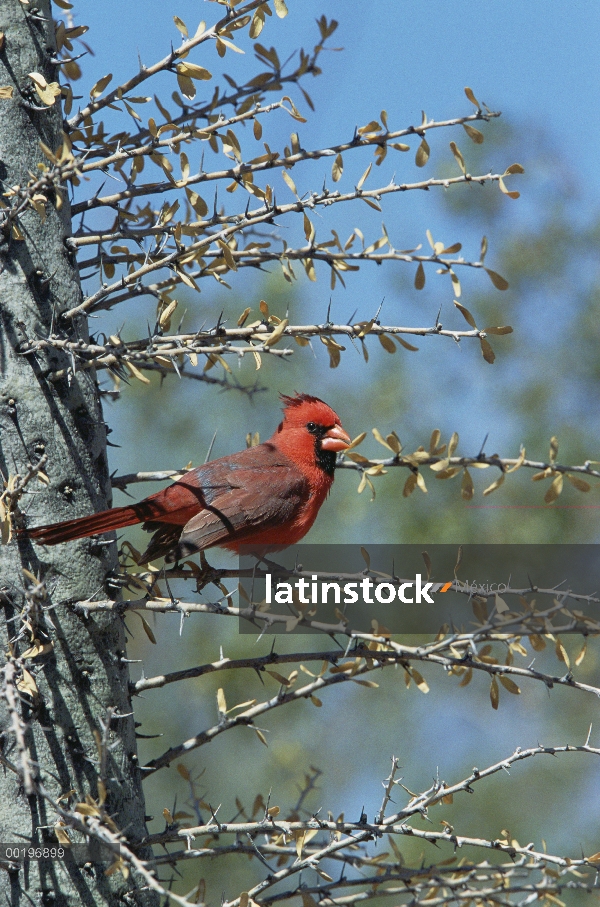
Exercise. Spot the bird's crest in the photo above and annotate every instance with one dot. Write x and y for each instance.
(298, 400)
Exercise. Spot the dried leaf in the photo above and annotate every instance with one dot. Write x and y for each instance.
(409, 485)
(406, 344)
(387, 343)
(499, 331)
(100, 85)
(467, 489)
(555, 489)
(134, 370)
(379, 437)
(466, 314)
(421, 683)
(561, 652)
(181, 26)
(474, 134)
(420, 277)
(290, 182)
(578, 483)
(581, 655)
(458, 156)
(494, 693)
(512, 193)
(472, 98)
(509, 685)
(423, 152)
(337, 169)
(361, 181)
(499, 282)
(192, 71)
(486, 350)
(261, 736)
(494, 485)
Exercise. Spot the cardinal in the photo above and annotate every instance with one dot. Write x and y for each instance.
(266, 496)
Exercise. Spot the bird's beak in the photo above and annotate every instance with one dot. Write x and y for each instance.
(335, 439)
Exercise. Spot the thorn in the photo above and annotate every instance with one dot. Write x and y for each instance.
(328, 319)
(210, 447)
(480, 454)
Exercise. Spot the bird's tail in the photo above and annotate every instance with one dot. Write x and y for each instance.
(55, 533)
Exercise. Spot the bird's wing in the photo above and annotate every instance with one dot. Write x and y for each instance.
(250, 501)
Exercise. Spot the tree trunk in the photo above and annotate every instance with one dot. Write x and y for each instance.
(51, 740)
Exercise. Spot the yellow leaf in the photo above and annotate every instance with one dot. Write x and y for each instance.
(290, 182)
(134, 370)
(494, 485)
(273, 338)
(100, 85)
(379, 437)
(180, 24)
(192, 71)
(555, 489)
(357, 440)
(361, 181)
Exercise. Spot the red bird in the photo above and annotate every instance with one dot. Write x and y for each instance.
(268, 496)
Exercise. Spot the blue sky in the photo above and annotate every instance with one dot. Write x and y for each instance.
(534, 59)
(536, 62)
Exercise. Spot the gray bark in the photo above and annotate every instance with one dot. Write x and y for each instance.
(83, 679)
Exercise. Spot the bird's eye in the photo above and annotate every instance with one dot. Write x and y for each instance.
(311, 426)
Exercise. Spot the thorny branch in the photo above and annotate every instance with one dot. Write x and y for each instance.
(340, 835)
(212, 251)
